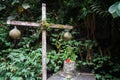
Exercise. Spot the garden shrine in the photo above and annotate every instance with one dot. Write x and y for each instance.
(68, 72)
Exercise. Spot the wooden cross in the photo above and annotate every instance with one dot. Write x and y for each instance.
(22, 23)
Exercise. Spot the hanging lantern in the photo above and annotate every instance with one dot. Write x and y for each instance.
(15, 33)
(67, 35)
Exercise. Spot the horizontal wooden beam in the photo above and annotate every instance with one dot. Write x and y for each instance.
(21, 23)
(61, 26)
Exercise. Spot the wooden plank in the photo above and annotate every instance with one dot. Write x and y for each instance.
(44, 57)
(61, 26)
(21, 23)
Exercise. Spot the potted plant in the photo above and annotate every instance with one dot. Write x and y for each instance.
(69, 62)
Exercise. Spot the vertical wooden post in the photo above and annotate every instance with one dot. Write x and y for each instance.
(44, 71)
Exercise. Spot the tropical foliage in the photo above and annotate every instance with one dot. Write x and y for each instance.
(94, 45)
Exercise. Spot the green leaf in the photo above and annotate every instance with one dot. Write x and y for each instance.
(16, 78)
(11, 17)
(118, 6)
(98, 76)
(113, 7)
(15, 1)
(114, 15)
(118, 12)
(2, 7)
(118, 9)
(25, 5)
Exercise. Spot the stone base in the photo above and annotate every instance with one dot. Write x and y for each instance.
(75, 76)
(69, 73)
